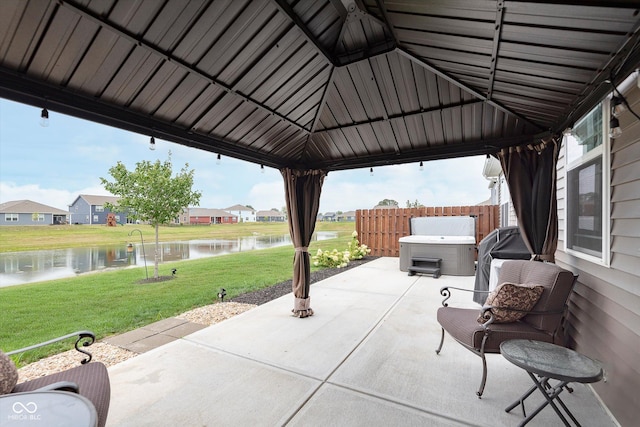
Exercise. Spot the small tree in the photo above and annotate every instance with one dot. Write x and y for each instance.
(387, 202)
(415, 204)
(150, 194)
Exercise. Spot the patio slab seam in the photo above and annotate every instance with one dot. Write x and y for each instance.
(154, 335)
(403, 403)
(362, 341)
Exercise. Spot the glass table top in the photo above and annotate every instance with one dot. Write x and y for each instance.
(552, 361)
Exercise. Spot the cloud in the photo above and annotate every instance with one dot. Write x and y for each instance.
(267, 195)
(56, 198)
(452, 182)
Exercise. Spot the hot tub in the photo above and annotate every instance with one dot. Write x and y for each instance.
(457, 250)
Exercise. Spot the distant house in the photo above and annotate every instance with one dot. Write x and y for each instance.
(88, 209)
(270, 216)
(26, 212)
(329, 216)
(346, 216)
(244, 213)
(211, 216)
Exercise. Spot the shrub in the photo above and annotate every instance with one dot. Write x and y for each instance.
(336, 258)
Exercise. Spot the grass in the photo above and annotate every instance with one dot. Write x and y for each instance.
(114, 302)
(32, 238)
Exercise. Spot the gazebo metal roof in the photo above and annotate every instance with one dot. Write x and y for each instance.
(330, 84)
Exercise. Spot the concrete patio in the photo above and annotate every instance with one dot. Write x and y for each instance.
(365, 358)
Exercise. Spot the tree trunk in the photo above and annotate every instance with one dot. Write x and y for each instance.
(157, 255)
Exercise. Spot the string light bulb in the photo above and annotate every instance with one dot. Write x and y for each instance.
(218, 159)
(421, 166)
(44, 118)
(152, 144)
(261, 168)
(617, 106)
(614, 128)
(370, 171)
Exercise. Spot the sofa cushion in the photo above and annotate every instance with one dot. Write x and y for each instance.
(8, 374)
(558, 284)
(509, 296)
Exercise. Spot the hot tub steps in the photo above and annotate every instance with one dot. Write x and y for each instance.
(425, 265)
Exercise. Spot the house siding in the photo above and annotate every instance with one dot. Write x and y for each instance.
(27, 219)
(83, 210)
(604, 319)
(80, 212)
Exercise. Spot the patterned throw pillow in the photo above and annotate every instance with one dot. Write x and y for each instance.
(8, 374)
(510, 295)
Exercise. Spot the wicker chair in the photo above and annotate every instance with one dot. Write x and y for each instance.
(90, 380)
(542, 323)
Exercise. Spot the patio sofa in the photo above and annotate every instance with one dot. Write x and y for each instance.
(90, 380)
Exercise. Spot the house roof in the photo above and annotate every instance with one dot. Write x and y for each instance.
(239, 208)
(316, 84)
(29, 207)
(93, 200)
(210, 212)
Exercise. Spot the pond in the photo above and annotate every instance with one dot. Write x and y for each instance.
(17, 268)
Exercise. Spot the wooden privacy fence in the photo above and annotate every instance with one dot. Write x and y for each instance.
(380, 229)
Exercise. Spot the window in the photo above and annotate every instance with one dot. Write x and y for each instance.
(587, 178)
(96, 219)
(99, 208)
(10, 217)
(505, 203)
(38, 217)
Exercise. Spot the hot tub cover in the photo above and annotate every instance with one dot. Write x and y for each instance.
(439, 240)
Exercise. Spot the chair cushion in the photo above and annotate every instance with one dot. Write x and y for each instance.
(8, 374)
(461, 324)
(511, 296)
(92, 380)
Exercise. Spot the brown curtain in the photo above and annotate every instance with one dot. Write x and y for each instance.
(302, 192)
(530, 171)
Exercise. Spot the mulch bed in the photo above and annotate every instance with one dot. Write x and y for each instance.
(276, 291)
(154, 280)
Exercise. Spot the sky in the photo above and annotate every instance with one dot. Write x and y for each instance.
(53, 165)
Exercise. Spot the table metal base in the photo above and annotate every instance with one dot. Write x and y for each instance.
(550, 393)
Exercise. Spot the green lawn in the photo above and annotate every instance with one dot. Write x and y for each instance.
(114, 302)
(29, 238)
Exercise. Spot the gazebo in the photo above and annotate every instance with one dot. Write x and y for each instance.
(315, 86)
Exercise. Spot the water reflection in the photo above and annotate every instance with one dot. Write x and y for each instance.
(27, 267)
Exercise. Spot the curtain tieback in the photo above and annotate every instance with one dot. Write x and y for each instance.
(302, 249)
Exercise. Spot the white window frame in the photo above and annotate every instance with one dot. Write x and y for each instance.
(99, 208)
(603, 150)
(11, 217)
